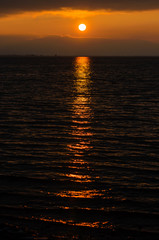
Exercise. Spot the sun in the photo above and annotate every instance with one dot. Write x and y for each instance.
(82, 27)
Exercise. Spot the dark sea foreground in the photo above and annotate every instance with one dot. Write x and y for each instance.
(79, 148)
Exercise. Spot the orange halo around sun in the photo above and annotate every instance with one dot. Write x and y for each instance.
(82, 27)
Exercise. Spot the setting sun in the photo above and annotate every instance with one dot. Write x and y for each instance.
(82, 27)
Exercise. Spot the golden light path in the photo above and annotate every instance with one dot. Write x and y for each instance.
(79, 148)
(81, 114)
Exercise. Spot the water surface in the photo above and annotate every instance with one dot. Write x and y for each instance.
(79, 143)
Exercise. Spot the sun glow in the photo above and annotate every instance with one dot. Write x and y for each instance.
(82, 27)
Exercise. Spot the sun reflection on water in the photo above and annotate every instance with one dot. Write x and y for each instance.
(81, 174)
(81, 131)
(82, 189)
(84, 194)
(81, 110)
(105, 224)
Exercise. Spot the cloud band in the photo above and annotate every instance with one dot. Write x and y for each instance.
(16, 6)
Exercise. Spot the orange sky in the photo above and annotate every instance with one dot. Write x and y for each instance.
(100, 23)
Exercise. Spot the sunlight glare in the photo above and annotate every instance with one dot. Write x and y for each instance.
(82, 27)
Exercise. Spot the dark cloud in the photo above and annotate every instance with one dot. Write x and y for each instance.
(67, 46)
(13, 6)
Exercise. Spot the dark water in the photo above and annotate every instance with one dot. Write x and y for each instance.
(79, 144)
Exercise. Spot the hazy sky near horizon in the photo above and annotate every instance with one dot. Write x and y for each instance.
(133, 20)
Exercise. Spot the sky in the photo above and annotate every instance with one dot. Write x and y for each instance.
(114, 27)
